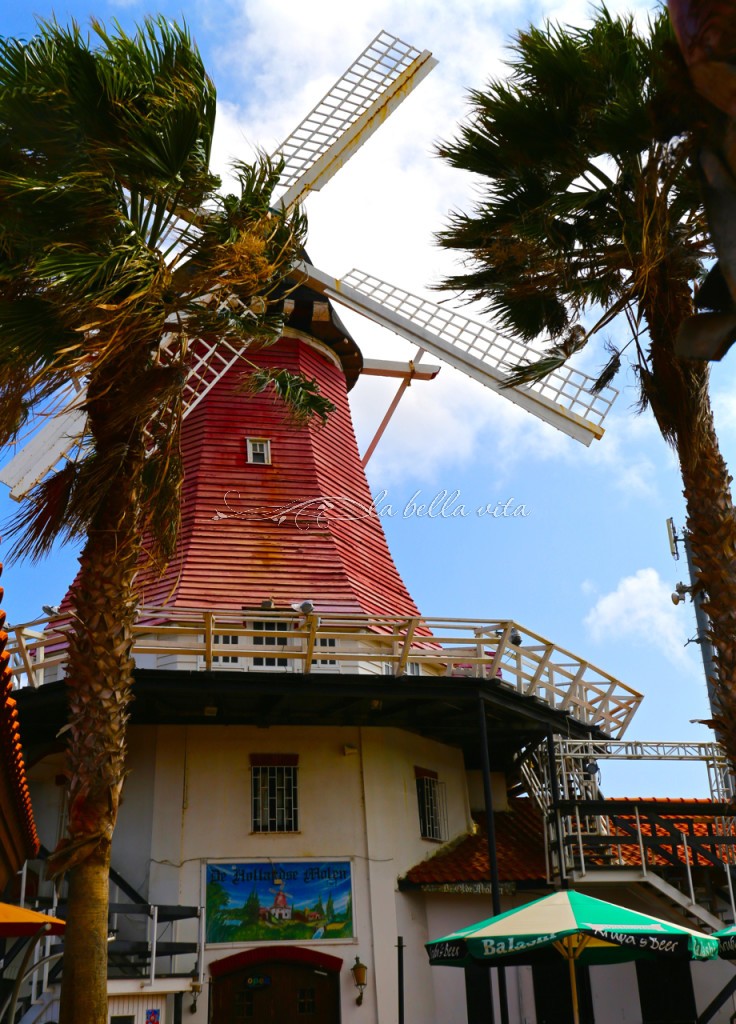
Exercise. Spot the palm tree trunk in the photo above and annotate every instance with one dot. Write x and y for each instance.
(84, 987)
(99, 681)
(711, 524)
(677, 390)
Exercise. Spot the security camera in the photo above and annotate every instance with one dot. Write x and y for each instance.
(305, 607)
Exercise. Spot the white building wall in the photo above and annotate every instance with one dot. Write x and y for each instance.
(187, 802)
(446, 913)
(394, 840)
(136, 1007)
(357, 797)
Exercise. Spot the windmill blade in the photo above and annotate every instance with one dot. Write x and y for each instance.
(356, 105)
(371, 88)
(44, 450)
(208, 363)
(564, 399)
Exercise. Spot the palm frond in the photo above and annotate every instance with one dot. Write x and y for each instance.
(588, 199)
(300, 395)
(608, 372)
(112, 233)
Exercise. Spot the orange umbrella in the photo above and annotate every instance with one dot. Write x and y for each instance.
(19, 921)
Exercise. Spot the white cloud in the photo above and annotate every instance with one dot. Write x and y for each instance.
(640, 610)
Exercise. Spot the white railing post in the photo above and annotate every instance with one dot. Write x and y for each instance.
(200, 950)
(153, 942)
(642, 851)
(686, 849)
(730, 886)
(580, 840)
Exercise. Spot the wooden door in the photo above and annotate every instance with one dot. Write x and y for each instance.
(276, 993)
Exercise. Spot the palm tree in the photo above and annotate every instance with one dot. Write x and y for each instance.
(589, 203)
(116, 254)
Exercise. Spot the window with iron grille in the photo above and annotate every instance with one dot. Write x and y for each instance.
(244, 1006)
(270, 641)
(225, 640)
(431, 804)
(274, 792)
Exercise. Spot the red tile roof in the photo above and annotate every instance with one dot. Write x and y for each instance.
(520, 844)
(653, 823)
(20, 836)
(519, 850)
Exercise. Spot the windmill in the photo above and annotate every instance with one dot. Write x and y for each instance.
(356, 105)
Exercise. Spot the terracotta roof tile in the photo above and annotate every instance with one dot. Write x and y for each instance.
(520, 844)
(669, 826)
(12, 765)
(519, 847)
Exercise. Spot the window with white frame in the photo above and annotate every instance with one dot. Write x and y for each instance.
(225, 640)
(325, 644)
(270, 638)
(274, 792)
(412, 668)
(431, 804)
(258, 451)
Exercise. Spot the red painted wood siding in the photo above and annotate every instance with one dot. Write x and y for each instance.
(275, 548)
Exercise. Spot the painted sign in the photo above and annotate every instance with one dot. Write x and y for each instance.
(153, 1016)
(262, 901)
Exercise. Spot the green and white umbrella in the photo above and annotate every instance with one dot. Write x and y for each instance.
(726, 942)
(577, 927)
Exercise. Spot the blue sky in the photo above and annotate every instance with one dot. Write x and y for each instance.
(589, 566)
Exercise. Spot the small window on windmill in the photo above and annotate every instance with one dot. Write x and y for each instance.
(225, 640)
(270, 637)
(258, 451)
(326, 644)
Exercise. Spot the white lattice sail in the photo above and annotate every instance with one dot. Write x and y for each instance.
(356, 105)
(565, 398)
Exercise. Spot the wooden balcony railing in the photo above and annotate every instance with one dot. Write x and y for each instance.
(499, 651)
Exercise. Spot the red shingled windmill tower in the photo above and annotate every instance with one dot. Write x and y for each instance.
(274, 513)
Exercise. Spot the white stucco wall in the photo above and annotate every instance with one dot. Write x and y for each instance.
(187, 802)
(357, 799)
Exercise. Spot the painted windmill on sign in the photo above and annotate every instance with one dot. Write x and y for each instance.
(278, 517)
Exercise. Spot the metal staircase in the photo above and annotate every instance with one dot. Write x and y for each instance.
(681, 851)
(142, 938)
